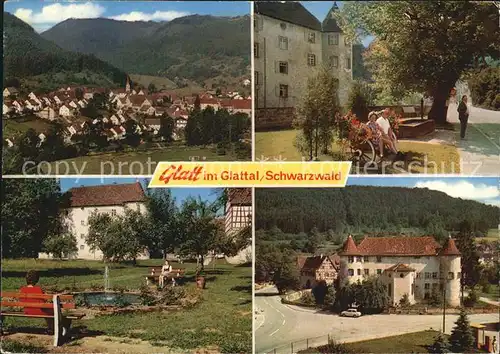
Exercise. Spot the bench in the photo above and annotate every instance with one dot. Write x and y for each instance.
(155, 272)
(62, 322)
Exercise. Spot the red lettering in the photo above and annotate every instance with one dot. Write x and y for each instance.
(176, 173)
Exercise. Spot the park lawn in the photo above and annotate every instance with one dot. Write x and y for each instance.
(222, 319)
(132, 163)
(407, 343)
(426, 157)
(493, 294)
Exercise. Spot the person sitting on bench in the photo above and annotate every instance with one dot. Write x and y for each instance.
(32, 279)
(387, 133)
(167, 268)
(378, 136)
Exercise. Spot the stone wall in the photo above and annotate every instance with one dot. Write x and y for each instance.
(274, 118)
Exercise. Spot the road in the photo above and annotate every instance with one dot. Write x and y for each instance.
(278, 325)
(480, 152)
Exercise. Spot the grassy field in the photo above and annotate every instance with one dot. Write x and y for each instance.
(223, 318)
(280, 145)
(158, 81)
(133, 163)
(491, 236)
(11, 127)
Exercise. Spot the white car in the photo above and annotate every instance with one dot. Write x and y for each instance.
(351, 313)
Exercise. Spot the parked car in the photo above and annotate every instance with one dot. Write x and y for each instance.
(351, 313)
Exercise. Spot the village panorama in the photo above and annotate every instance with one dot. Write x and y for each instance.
(96, 108)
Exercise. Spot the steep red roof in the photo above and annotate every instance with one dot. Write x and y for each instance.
(137, 100)
(112, 194)
(242, 104)
(314, 262)
(450, 249)
(240, 196)
(349, 248)
(399, 246)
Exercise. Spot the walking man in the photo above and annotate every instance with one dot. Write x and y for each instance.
(463, 116)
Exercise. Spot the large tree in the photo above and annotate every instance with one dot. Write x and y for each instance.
(316, 114)
(423, 46)
(30, 213)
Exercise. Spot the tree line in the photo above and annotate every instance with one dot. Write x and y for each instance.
(369, 210)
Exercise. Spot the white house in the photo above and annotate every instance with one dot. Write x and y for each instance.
(290, 44)
(7, 107)
(47, 113)
(415, 266)
(65, 111)
(112, 199)
(10, 91)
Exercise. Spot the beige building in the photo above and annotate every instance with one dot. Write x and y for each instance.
(113, 199)
(416, 266)
(317, 268)
(290, 45)
(238, 215)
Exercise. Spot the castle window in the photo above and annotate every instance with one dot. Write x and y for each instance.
(283, 25)
(333, 39)
(450, 275)
(283, 91)
(283, 42)
(334, 61)
(82, 222)
(348, 63)
(82, 236)
(459, 275)
(434, 275)
(311, 38)
(311, 59)
(419, 275)
(427, 286)
(401, 275)
(389, 274)
(379, 271)
(367, 272)
(350, 259)
(379, 259)
(350, 272)
(256, 78)
(82, 247)
(113, 212)
(256, 50)
(427, 275)
(359, 271)
(283, 67)
(362, 259)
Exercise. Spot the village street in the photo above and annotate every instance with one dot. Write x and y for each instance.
(277, 325)
(480, 151)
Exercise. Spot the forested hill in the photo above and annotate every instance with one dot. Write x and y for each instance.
(368, 210)
(193, 47)
(27, 54)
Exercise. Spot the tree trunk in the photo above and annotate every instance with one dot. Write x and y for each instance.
(202, 265)
(439, 108)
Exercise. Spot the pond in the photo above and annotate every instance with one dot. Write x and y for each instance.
(106, 299)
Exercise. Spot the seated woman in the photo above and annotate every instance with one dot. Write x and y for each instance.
(378, 137)
(165, 269)
(32, 279)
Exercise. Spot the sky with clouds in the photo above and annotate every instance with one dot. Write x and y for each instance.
(42, 15)
(482, 189)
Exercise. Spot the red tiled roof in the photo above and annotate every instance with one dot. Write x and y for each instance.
(242, 104)
(400, 268)
(210, 101)
(137, 100)
(240, 196)
(112, 194)
(404, 246)
(450, 249)
(349, 248)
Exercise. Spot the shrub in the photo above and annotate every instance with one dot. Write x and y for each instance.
(404, 301)
(357, 102)
(307, 299)
(483, 85)
(172, 295)
(146, 296)
(334, 348)
(319, 292)
(471, 299)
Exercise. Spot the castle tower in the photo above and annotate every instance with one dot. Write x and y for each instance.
(127, 85)
(450, 264)
(352, 258)
(337, 53)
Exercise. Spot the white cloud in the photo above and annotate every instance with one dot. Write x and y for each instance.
(155, 16)
(463, 189)
(55, 13)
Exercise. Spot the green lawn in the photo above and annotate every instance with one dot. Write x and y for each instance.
(429, 158)
(493, 294)
(491, 236)
(222, 319)
(132, 163)
(14, 127)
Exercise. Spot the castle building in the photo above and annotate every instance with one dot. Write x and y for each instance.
(113, 199)
(415, 266)
(290, 44)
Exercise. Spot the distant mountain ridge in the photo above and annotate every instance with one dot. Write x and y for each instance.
(27, 54)
(195, 47)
